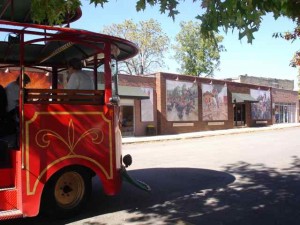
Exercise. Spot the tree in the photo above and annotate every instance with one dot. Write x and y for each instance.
(150, 39)
(195, 54)
(244, 15)
(295, 62)
(53, 11)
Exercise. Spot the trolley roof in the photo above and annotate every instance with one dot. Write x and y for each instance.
(45, 46)
(56, 48)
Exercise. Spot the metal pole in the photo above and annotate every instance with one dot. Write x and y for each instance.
(235, 111)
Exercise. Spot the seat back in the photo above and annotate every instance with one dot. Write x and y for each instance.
(3, 101)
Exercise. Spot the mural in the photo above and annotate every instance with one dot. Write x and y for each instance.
(214, 102)
(182, 101)
(262, 109)
(147, 106)
(38, 79)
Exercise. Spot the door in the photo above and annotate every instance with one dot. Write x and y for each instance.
(239, 114)
(127, 120)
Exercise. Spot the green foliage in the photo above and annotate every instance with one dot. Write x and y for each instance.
(153, 43)
(165, 5)
(196, 54)
(243, 15)
(232, 14)
(96, 2)
(52, 11)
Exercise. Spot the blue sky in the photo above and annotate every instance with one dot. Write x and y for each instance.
(265, 57)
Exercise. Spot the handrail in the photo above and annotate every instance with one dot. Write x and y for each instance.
(64, 96)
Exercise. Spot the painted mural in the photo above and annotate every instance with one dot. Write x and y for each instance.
(262, 109)
(181, 101)
(214, 102)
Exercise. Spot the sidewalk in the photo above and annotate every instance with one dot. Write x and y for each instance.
(200, 134)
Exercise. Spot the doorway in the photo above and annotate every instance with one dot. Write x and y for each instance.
(239, 114)
(127, 128)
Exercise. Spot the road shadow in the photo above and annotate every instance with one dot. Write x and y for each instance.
(260, 195)
(240, 194)
(167, 184)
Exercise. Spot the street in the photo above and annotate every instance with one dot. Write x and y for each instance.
(241, 179)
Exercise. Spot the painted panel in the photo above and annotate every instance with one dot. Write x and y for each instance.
(56, 135)
(262, 109)
(214, 102)
(181, 100)
(147, 114)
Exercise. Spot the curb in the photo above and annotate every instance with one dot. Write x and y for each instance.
(202, 134)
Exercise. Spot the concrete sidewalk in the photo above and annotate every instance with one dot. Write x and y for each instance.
(200, 134)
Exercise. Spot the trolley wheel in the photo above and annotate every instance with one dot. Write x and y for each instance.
(66, 193)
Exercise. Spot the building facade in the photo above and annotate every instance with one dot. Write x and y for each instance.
(180, 104)
(138, 114)
(270, 82)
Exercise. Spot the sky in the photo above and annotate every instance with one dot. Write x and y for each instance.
(265, 57)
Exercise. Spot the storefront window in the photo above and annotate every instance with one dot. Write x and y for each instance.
(285, 113)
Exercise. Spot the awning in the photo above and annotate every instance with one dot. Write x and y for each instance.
(132, 92)
(241, 97)
(128, 92)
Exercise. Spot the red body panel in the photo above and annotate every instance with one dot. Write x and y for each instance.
(56, 136)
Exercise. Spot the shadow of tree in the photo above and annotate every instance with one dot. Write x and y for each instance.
(241, 194)
(167, 184)
(260, 195)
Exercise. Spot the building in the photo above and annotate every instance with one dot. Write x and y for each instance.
(270, 82)
(283, 97)
(180, 104)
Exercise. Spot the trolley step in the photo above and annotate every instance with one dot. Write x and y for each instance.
(9, 199)
(10, 214)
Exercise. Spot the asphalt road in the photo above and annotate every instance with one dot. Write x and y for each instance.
(241, 179)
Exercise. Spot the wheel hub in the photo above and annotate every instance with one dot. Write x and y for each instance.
(69, 190)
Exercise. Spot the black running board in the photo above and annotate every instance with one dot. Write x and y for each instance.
(137, 183)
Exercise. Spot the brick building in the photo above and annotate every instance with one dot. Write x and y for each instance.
(180, 103)
(270, 82)
(283, 97)
(136, 115)
(285, 106)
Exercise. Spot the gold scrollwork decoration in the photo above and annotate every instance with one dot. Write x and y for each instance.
(41, 138)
